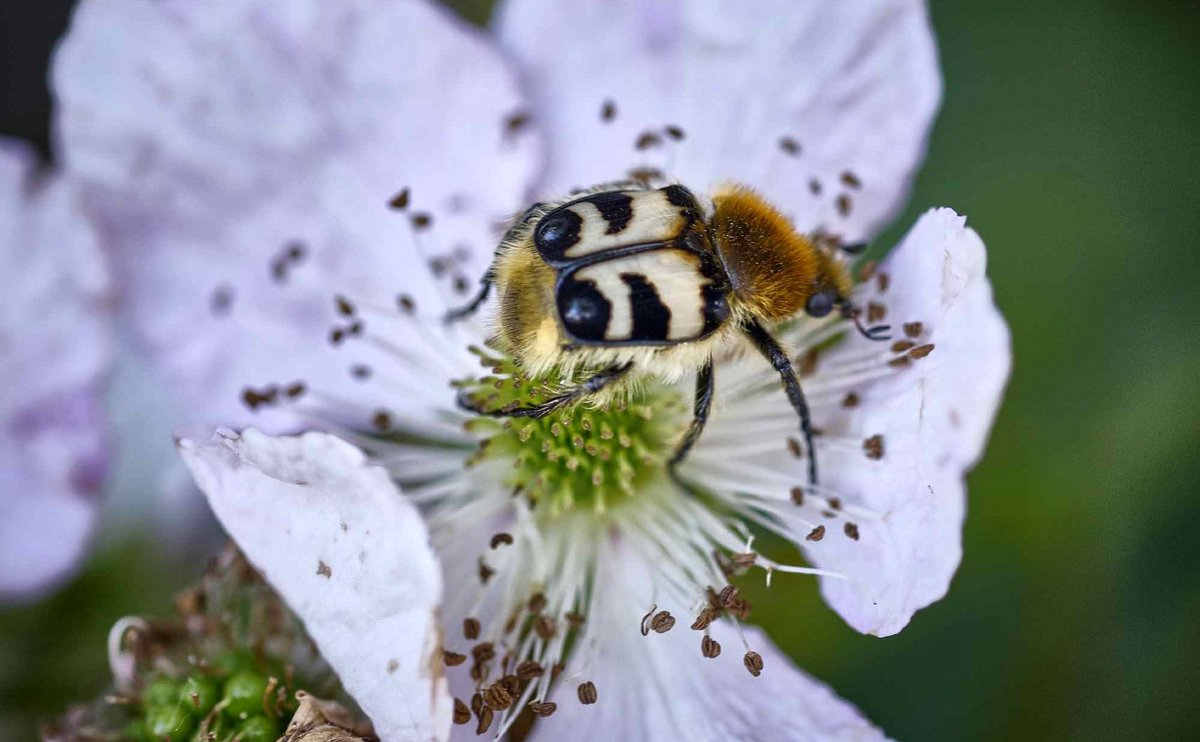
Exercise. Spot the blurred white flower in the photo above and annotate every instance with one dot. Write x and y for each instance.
(253, 161)
(54, 349)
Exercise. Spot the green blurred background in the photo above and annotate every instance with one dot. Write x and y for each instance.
(1069, 137)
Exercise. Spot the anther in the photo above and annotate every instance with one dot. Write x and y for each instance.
(873, 447)
(674, 132)
(843, 205)
(485, 572)
(529, 669)
(851, 180)
(485, 720)
(835, 503)
(913, 329)
(883, 280)
(793, 447)
(545, 627)
(421, 220)
(851, 530)
(295, 390)
(710, 647)
(816, 534)
(453, 659)
(745, 560)
(471, 629)
(798, 495)
(537, 603)
(575, 619)
(497, 697)
(462, 714)
(807, 363)
(381, 421)
(501, 539)
(920, 351)
(753, 662)
(727, 597)
(399, 202)
(789, 146)
(587, 693)
(850, 400)
(483, 652)
(705, 618)
(543, 708)
(646, 140)
(476, 703)
(662, 622)
(406, 303)
(875, 311)
(516, 121)
(344, 306)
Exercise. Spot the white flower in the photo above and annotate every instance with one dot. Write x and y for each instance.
(245, 178)
(54, 347)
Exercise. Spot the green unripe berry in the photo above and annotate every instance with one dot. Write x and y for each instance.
(161, 691)
(169, 721)
(244, 693)
(198, 695)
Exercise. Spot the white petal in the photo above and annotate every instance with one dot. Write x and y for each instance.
(934, 419)
(349, 554)
(54, 349)
(854, 84)
(213, 139)
(660, 687)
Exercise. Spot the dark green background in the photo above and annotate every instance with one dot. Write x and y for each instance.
(1069, 138)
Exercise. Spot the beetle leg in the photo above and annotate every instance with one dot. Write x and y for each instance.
(592, 385)
(769, 347)
(700, 409)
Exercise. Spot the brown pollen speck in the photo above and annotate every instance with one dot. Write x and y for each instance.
(851, 530)
(816, 534)
(587, 693)
(753, 662)
(324, 570)
(873, 447)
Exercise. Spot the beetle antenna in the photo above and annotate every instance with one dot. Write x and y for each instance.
(874, 332)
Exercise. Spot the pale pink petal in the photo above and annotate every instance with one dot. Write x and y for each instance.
(660, 687)
(781, 95)
(349, 554)
(215, 140)
(899, 423)
(55, 334)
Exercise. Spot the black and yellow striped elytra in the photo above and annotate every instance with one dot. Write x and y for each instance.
(620, 281)
(626, 279)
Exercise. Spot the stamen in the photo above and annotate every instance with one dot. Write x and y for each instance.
(710, 647)
(754, 663)
(873, 447)
(587, 693)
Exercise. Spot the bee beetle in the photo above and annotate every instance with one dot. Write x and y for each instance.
(629, 280)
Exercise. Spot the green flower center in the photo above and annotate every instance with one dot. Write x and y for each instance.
(587, 454)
